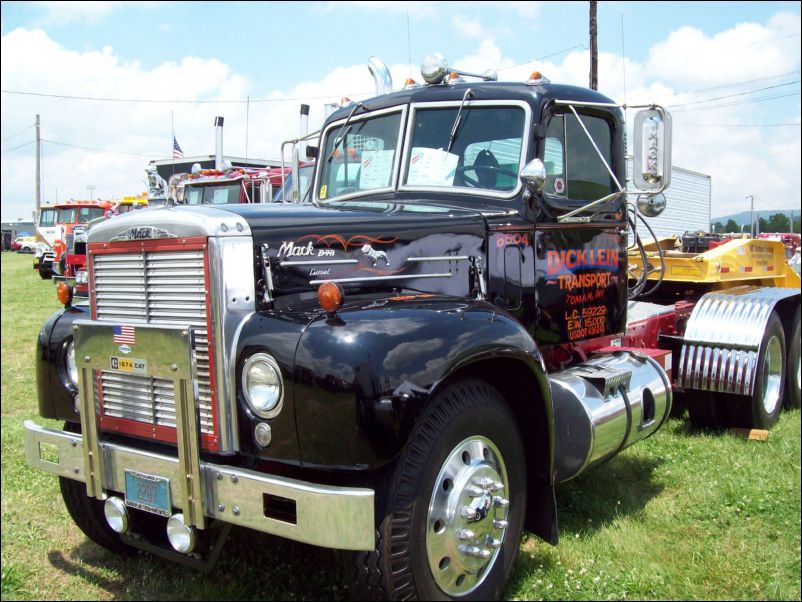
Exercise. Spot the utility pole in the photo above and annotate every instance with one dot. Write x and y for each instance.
(38, 169)
(594, 51)
(751, 198)
(91, 188)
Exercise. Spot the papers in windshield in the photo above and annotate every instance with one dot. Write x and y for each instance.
(377, 167)
(431, 167)
(220, 196)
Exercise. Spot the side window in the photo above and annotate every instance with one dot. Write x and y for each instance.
(574, 169)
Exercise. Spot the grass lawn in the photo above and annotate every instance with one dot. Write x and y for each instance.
(684, 515)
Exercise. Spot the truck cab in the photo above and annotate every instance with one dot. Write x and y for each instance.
(403, 368)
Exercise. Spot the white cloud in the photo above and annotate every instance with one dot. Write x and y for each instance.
(741, 160)
(472, 28)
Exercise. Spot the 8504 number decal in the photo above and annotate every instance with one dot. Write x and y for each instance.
(513, 238)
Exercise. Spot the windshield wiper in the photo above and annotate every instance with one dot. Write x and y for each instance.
(455, 127)
(340, 133)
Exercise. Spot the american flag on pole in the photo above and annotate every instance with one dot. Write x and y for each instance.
(177, 152)
(124, 335)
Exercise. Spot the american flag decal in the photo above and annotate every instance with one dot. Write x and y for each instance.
(124, 335)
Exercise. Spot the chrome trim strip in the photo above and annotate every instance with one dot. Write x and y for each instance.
(380, 278)
(440, 258)
(321, 262)
(233, 300)
(722, 339)
(328, 516)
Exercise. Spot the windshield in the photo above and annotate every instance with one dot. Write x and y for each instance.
(47, 218)
(212, 194)
(485, 148)
(361, 158)
(87, 214)
(305, 176)
(66, 216)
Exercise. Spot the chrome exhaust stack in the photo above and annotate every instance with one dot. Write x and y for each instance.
(218, 143)
(381, 76)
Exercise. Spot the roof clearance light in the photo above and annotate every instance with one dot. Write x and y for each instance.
(453, 78)
(410, 83)
(330, 295)
(196, 169)
(536, 77)
(345, 101)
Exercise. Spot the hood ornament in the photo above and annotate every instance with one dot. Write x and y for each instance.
(144, 233)
(375, 256)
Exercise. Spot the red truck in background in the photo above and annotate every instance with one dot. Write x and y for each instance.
(54, 225)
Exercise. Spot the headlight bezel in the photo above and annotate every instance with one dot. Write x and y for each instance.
(69, 369)
(269, 410)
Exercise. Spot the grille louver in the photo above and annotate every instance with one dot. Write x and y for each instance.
(165, 287)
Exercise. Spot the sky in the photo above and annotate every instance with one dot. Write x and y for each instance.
(113, 81)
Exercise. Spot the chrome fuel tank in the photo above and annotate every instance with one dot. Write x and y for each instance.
(605, 405)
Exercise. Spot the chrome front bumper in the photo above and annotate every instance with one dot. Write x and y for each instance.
(327, 516)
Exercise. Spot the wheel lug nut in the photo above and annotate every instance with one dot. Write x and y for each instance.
(500, 523)
(474, 491)
(494, 543)
(496, 486)
(475, 551)
(500, 502)
(483, 482)
(466, 534)
(468, 512)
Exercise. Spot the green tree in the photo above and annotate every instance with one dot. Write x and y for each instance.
(779, 222)
(731, 226)
(718, 227)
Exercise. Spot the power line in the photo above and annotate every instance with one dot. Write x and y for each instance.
(740, 125)
(98, 150)
(152, 100)
(733, 104)
(694, 102)
(16, 147)
(17, 134)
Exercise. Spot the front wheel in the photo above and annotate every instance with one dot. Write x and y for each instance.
(450, 524)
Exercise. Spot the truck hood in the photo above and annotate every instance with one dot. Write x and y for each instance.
(366, 245)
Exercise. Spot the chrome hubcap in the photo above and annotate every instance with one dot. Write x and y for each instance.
(467, 517)
(772, 375)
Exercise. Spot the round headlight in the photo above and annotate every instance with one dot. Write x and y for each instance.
(70, 369)
(262, 385)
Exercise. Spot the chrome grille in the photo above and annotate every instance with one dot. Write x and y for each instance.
(152, 288)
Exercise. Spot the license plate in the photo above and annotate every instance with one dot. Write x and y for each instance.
(147, 492)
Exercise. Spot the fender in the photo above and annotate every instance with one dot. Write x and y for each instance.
(56, 396)
(362, 376)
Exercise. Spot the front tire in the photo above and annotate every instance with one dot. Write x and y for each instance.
(450, 523)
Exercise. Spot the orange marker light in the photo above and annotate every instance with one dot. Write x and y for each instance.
(535, 75)
(352, 152)
(330, 295)
(64, 293)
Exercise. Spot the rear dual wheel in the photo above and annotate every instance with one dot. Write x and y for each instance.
(450, 523)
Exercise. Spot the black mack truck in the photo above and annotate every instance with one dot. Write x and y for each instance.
(403, 368)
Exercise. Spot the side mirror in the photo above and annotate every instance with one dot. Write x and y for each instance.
(533, 176)
(651, 205)
(312, 152)
(652, 157)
